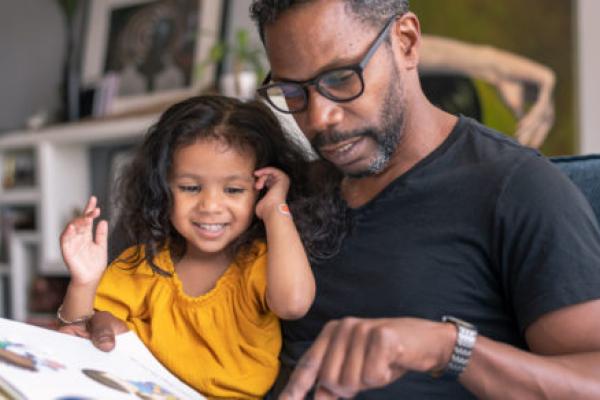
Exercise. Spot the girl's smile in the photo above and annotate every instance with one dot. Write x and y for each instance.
(213, 194)
(210, 231)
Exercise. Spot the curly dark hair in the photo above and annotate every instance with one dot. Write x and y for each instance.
(373, 12)
(145, 198)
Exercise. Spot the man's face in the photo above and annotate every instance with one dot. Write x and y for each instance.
(358, 137)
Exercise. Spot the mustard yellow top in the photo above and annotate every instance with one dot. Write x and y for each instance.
(225, 343)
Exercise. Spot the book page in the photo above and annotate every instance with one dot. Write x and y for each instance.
(37, 363)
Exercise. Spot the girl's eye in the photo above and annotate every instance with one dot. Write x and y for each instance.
(234, 190)
(189, 188)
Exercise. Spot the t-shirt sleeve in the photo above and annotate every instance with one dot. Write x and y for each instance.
(122, 289)
(549, 242)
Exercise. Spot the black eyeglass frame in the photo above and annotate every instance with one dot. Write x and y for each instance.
(357, 68)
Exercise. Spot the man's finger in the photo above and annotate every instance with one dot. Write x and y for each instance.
(322, 393)
(103, 327)
(103, 339)
(305, 374)
(335, 359)
(351, 375)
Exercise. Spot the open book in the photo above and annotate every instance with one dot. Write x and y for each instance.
(37, 363)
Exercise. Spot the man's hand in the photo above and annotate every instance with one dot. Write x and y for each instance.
(100, 329)
(352, 355)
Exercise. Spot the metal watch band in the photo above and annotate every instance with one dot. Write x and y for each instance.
(465, 341)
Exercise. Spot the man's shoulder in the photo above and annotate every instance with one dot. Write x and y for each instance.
(481, 144)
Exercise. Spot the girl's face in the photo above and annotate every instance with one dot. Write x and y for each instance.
(213, 195)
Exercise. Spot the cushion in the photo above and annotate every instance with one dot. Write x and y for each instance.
(584, 171)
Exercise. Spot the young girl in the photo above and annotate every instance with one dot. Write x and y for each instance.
(207, 187)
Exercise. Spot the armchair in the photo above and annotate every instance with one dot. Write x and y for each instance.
(584, 171)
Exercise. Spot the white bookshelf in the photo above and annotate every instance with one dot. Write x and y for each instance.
(20, 196)
(61, 185)
(4, 272)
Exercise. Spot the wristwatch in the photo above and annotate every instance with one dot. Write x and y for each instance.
(465, 341)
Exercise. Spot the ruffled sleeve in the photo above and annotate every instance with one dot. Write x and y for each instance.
(123, 288)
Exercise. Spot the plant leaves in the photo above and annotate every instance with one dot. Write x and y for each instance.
(69, 6)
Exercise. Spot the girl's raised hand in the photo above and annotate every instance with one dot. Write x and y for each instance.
(85, 256)
(277, 183)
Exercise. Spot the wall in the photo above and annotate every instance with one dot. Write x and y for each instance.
(589, 82)
(31, 44)
(240, 19)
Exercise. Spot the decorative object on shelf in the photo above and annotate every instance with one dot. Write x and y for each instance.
(18, 169)
(152, 47)
(18, 217)
(6, 228)
(74, 11)
(246, 65)
(37, 120)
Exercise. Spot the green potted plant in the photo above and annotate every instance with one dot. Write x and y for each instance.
(245, 65)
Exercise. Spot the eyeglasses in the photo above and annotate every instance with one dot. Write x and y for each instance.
(341, 84)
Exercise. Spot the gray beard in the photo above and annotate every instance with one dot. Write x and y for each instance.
(386, 138)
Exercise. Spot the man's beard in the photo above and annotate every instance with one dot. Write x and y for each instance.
(386, 138)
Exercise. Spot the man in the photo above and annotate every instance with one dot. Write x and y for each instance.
(473, 265)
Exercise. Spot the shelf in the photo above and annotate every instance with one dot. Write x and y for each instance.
(19, 196)
(61, 172)
(54, 268)
(87, 132)
(26, 236)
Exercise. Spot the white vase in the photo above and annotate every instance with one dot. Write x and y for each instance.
(241, 85)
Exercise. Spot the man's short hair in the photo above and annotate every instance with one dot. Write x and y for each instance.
(372, 12)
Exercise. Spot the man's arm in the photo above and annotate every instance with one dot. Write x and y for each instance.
(352, 355)
(564, 363)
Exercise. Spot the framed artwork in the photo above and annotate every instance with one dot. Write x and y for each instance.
(141, 53)
(511, 70)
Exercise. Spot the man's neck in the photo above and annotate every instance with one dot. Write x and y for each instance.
(421, 137)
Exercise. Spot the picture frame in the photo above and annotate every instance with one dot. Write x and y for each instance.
(550, 42)
(143, 53)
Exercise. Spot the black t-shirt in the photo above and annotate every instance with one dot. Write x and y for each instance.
(482, 229)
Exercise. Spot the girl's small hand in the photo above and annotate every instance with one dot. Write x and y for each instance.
(85, 256)
(79, 330)
(277, 183)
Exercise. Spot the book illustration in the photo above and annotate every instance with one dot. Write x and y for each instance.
(144, 390)
(9, 392)
(37, 363)
(20, 355)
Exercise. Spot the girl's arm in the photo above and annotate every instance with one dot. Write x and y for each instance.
(290, 282)
(85, 258)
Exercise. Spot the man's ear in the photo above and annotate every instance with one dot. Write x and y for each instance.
(407, 34)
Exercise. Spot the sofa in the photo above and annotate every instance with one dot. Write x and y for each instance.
(584, 171)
